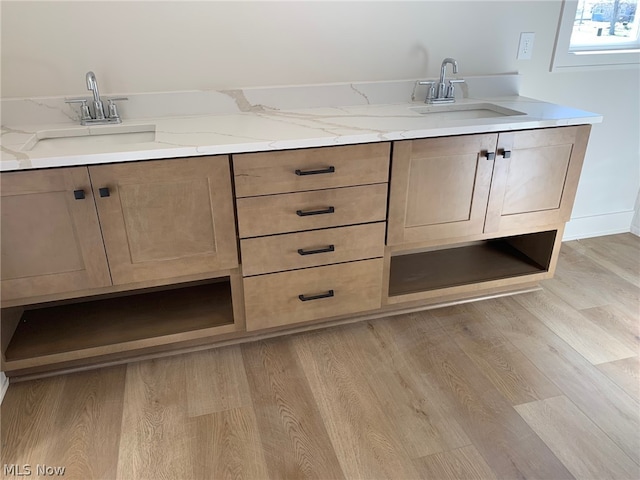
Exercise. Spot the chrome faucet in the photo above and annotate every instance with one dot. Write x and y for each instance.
(99, 117)
(443, 74)
(92, 85)
(442, 93)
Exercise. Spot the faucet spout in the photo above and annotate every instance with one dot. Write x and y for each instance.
(443, 74)
(453, 63)
(92, 84)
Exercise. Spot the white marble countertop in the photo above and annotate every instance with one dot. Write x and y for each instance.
(263, 129)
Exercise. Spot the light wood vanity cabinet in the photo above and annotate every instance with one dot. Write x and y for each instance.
(452, 187)
(479, 213)
(325, 236)
(159, 220)
(115, 234)
(311, 225)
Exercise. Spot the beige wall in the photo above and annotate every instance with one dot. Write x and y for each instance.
(163, 46)
(159, 46)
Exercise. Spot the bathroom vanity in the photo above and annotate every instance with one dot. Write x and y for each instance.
(270, 221)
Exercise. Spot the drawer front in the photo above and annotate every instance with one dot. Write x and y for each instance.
(310, 169)
(313, 293)
(311, 249)
(293, 212)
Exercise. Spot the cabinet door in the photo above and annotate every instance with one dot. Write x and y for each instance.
(51, 241)
(439, 187)
(166, 218)
(535, 177)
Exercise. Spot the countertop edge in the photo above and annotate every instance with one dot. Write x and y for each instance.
(287, 130)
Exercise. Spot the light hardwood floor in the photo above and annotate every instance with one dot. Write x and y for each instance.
(542, 385)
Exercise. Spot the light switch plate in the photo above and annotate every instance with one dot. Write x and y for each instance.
(525, 47)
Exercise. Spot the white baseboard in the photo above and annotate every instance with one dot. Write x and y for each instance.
(4, 384)
(598, 225)
(635, 229)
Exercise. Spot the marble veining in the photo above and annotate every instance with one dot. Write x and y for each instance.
(353, 87)
(243, 104)
(251, 120)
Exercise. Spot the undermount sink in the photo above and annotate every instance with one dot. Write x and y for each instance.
(465, 111)
(90, 137)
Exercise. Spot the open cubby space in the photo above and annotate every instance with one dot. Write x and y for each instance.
(109, 321)
(471, 263)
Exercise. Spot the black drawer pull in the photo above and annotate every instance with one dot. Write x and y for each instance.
(330, 248)
(302, 213)
(104, 192)
(506, 153)
(305, 298)
(330, 169)
(490, 155)
(78, 194)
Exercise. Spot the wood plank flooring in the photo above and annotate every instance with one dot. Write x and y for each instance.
(543, 385)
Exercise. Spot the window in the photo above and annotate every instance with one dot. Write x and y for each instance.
(597, 33)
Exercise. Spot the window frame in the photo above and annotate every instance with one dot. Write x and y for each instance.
(600, 57)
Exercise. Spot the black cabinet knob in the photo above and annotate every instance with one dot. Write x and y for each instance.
(78, 194)
(104, 192)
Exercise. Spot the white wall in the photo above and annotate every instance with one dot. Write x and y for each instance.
(635, 223)
(163, 46)
(155, 46)
(4, 385)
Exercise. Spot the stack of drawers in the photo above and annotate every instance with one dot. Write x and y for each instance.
(312, 227)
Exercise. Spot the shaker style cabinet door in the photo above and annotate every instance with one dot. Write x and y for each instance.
(439, 187)
(535, 177)
(166, 218)
(51, 241)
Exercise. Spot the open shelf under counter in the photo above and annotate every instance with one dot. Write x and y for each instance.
(59, 333)
(467, 266)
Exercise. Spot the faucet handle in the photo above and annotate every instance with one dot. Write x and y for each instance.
(431, 90)
(451, 89)
(84, 108)
(113, 109)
